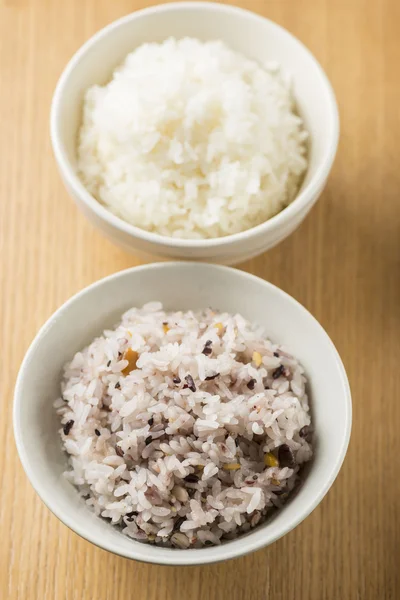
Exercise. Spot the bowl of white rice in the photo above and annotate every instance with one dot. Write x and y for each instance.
(184, 427)
(194, 131)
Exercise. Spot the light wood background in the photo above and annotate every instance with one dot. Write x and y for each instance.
(343, 264)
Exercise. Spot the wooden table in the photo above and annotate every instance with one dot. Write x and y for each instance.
(343, 264)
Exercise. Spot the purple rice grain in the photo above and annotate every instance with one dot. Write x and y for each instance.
(119, 451)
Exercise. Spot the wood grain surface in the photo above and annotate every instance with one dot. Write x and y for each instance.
(343, 264)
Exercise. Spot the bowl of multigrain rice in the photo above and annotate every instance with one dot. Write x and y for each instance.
(194, 131)
(182, 427)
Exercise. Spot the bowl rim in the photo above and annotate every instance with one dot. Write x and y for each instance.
(104, 214)
(192, 556)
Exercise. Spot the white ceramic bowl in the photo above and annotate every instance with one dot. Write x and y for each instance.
(179, 286)
(244, 31)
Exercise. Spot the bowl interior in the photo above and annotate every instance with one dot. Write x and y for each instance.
(178, 286)
(247, 33)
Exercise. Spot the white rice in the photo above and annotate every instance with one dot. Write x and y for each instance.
(192, 140)
(176, 451)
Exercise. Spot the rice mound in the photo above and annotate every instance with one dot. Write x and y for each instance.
(192, 140)
(184, 428)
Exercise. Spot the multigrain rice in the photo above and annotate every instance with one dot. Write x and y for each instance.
(179, 448)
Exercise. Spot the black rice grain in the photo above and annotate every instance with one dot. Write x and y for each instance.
(210, 377)
(190, 383)
(151, 421)
(97, 432)
(251, 384)
(178, 523)
(109, 363)
(117, 385)
(207, 350)
(176, 380)
(306, 433)
(278, 372)
(276, 354)
(131, 516)
(68, 426)
(286, 457)
(148, 440)
(191, 478)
